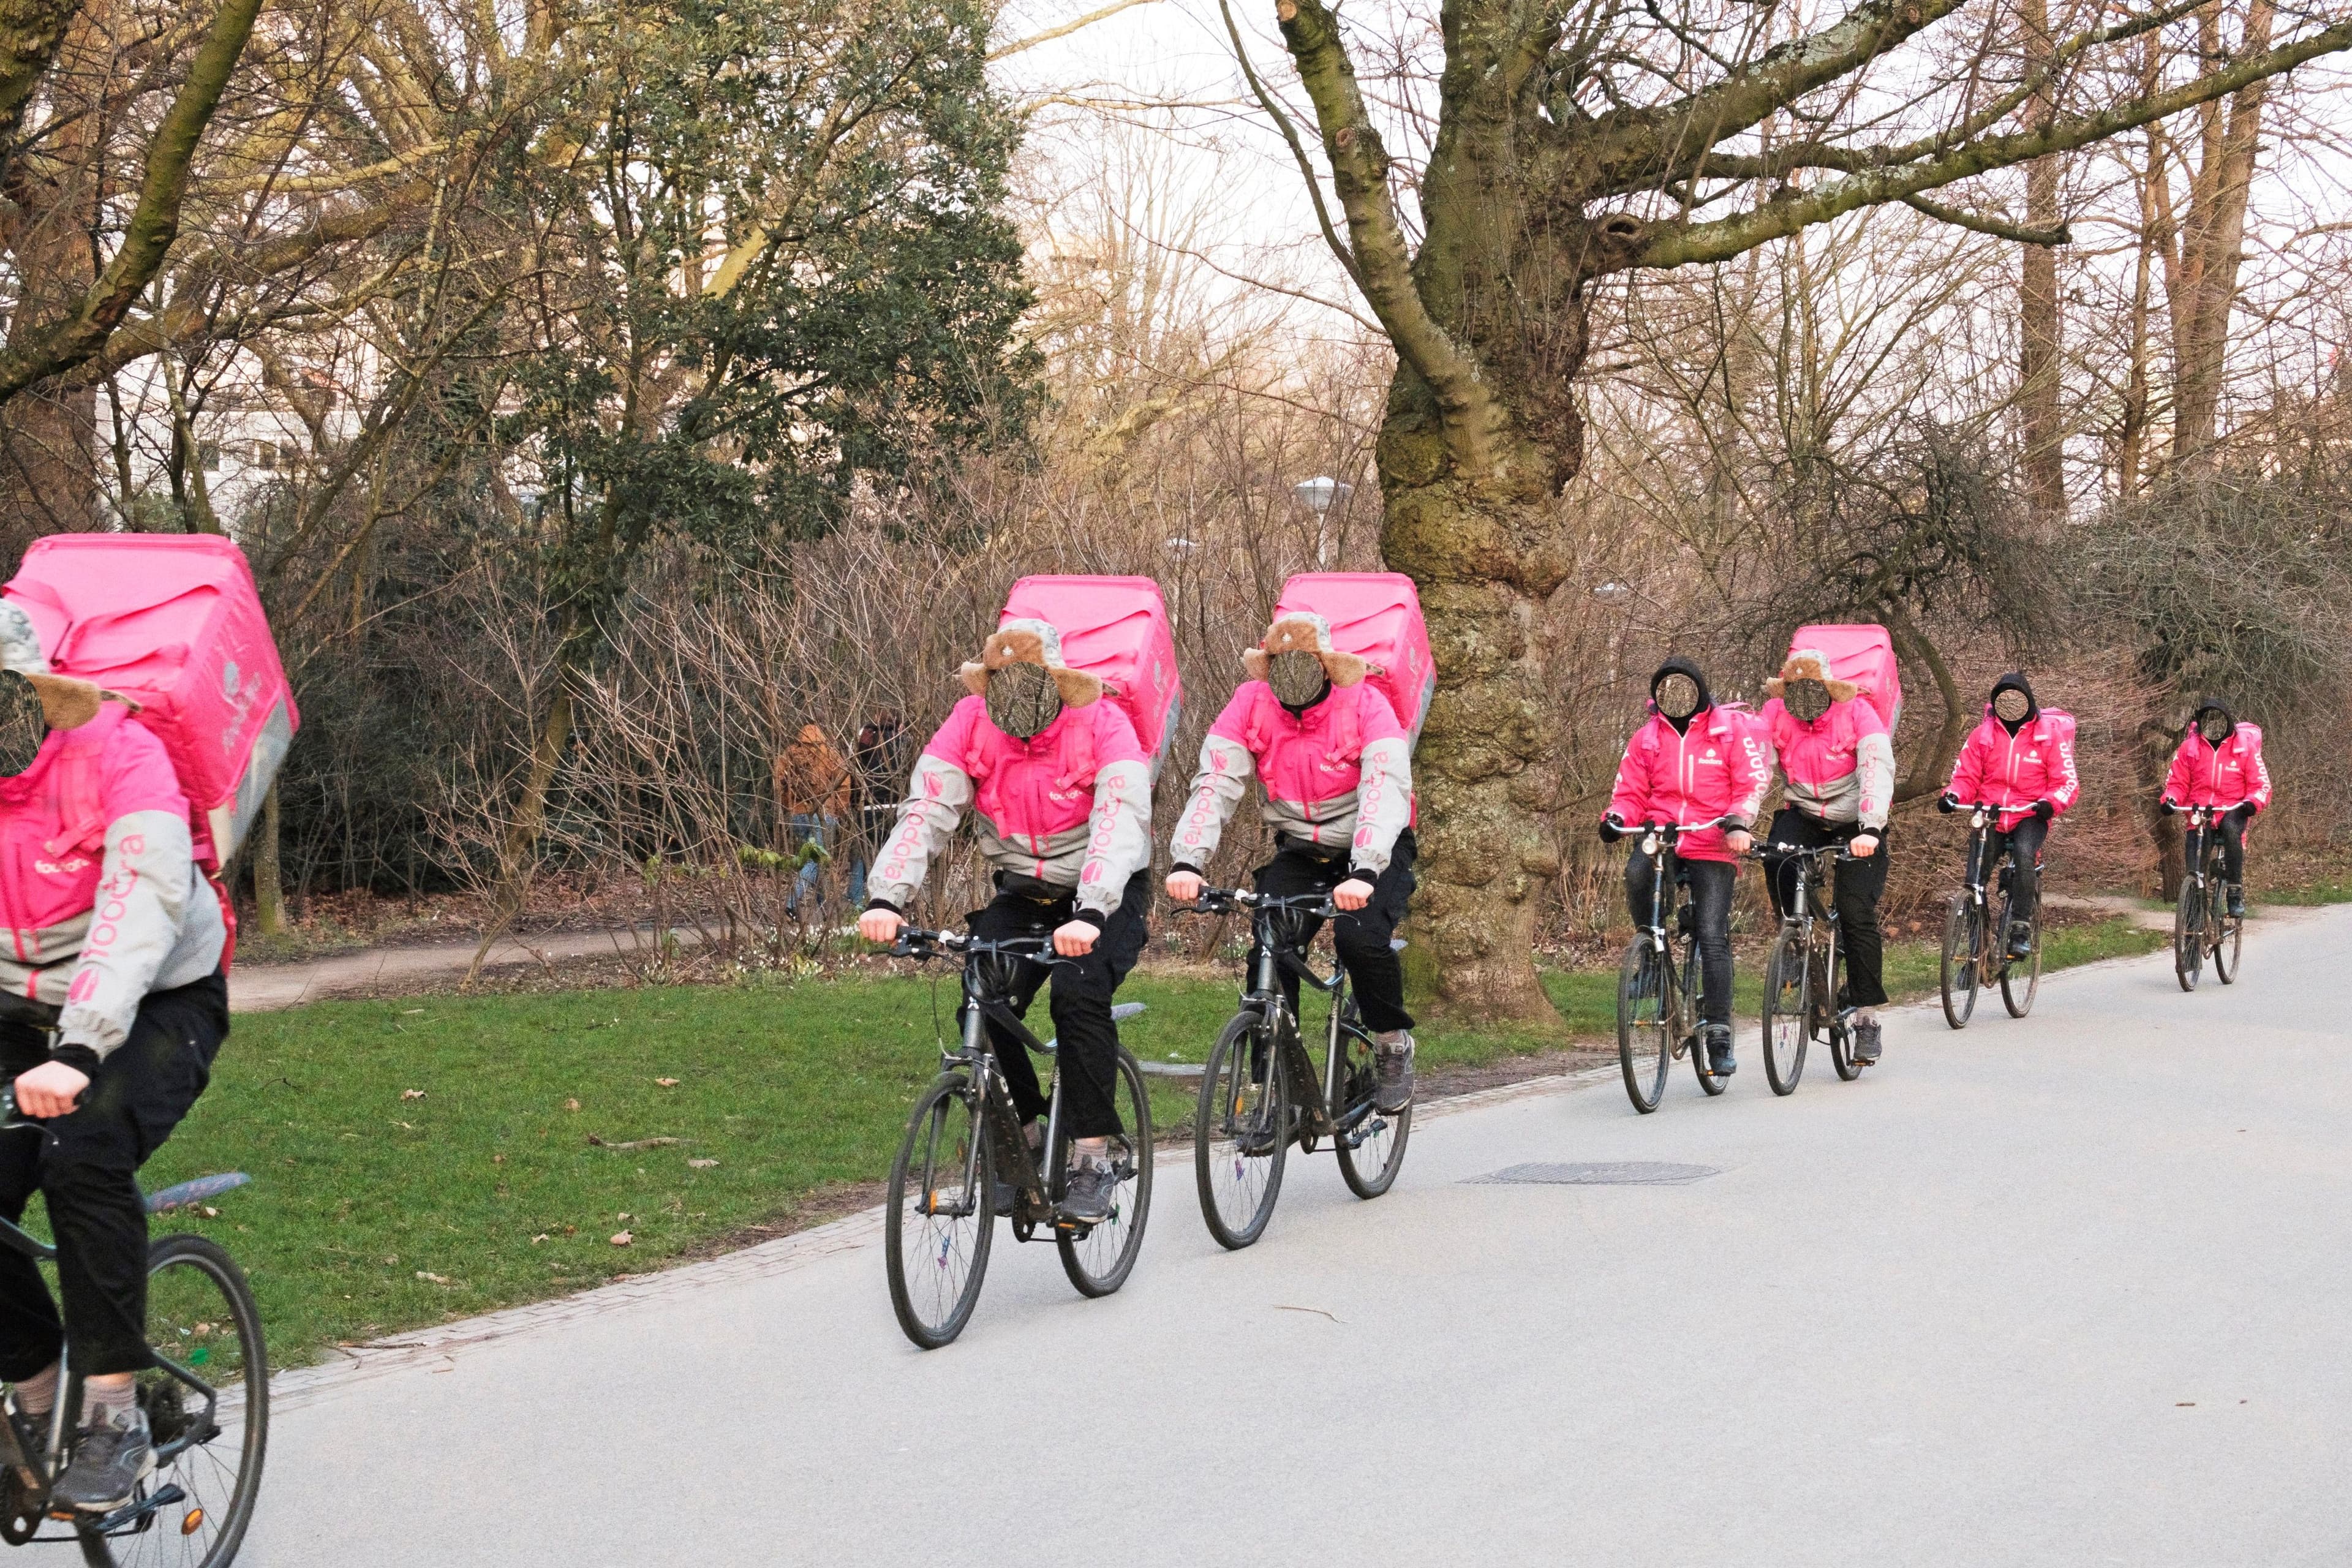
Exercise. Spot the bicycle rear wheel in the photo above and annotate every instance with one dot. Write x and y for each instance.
(2189, 936)
(1963, 940)
(941, 1215)
(1830, 1002)
(1371, 1142)
(1787, 1023)
(1644, 1023)
(2021, 977)
(2226, 948)
(1241, 1132)
(202, 1322)
(1100, 1259)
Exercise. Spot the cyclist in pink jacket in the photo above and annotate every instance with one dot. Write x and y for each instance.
(1060, 793)
(1337, 768)
(1693, 762)
(2019, 760)
(112, 1005)
(1838, 762)
(2219, 764)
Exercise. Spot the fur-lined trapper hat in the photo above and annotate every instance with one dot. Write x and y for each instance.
(1303, 631)
(1029, 641)
(67, 702)
(1811, 664)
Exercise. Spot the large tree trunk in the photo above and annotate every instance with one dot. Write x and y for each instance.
(268, 878)
(2204, 282)
(2040, 336)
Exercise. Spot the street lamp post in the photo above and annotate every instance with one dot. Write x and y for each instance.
(1319, 495)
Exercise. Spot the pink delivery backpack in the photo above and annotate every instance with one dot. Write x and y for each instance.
(1863, 655)
(1375, 616)
(174, 622)
(1117, 628)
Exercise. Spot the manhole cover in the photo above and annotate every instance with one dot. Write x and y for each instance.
(1603, 1173)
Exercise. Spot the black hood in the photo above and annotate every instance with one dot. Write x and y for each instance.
(2015, 681)
(1678, 665)
(2212, 704)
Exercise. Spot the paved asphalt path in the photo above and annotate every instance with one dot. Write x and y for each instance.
(2069, 1292)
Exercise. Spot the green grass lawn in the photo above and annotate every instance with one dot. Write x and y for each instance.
(431, 1158)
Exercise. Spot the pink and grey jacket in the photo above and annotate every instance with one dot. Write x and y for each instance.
(2011, 771)
(1071, 807)
(1339, 777)
(98, 881)
(2229, 774)
(1717, 767)
(1841, 767)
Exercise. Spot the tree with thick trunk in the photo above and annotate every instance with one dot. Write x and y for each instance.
(1579, 138)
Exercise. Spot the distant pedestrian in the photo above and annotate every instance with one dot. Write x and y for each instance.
(813, 790)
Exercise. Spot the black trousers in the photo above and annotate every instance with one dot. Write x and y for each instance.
(2022, 843)
(89, 1177)
(2233, 848)
(1859, 885)
(1362, 937)
(1080, 1005)
(1710, 883)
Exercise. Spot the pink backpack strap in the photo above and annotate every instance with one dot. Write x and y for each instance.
(1348, 732)
(1256, 734)
(78, 774)
(1077, 762)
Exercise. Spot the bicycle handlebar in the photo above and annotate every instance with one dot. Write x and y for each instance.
(1224, 901)
(916, 943)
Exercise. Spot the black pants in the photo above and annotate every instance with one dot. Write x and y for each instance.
(1859, 885)
(1080, 1005)
(1364, 937)
(89, 1176)
(2023, 845)
(2233, 848)
(1710, 883)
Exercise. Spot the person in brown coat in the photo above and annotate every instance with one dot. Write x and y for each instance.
(813, 792)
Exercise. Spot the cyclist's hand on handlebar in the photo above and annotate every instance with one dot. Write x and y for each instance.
(2045, 809)
(1739, 841)
(1947, 803)
(880, 925)
(1352, 894)
(49, 1090)
(1184, 886)
(1613, 828)
(1075, 939)
(1864, 846)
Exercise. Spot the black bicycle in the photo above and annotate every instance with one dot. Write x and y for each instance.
(2202, 926)
(966, 1158)
(1976, 945)
(206, 1399)
(1255, 1095)
(1804, 979)
(1659, 983)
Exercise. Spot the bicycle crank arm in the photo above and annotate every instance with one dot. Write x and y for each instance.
(130, 1515)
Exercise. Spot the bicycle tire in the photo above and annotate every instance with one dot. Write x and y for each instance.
(1644, 1023)
(202, 1315)
(1369, 1177)
(1100, 1261)
(1226, 1083)
(2189, 936)
(2231, 942)
(2017, 989)
(1787, 1027)
(1841, 1039)
(941, 1247)
(1963, 935)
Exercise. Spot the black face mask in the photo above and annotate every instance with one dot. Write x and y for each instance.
(21, 726)
(2010, 706)
(2214, 727)
(1677, 697)
(1808, 699)
(1297, 677)
(1022, 700)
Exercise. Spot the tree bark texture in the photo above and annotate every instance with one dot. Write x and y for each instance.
(2040, 329)
(268, 878)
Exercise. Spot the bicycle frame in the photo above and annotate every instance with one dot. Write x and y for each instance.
(1277, 957)
(1658, 841)
(1812, 906)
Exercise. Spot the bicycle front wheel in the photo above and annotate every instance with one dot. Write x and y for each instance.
(1644, 1023)
(1963, 940)
(2021, 977)
(942, 1213)
(2189, 936)
(207, 1404)
(1371, 1142)
(1787, 1006)
(1241, 1132)
(1100, 1259)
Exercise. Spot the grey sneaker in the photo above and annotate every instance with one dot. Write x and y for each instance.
(108, 1463)
(1866, 1042)
(1087, 1196)
(1392, 1058)
(1715, 1040)
(2237, 902)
